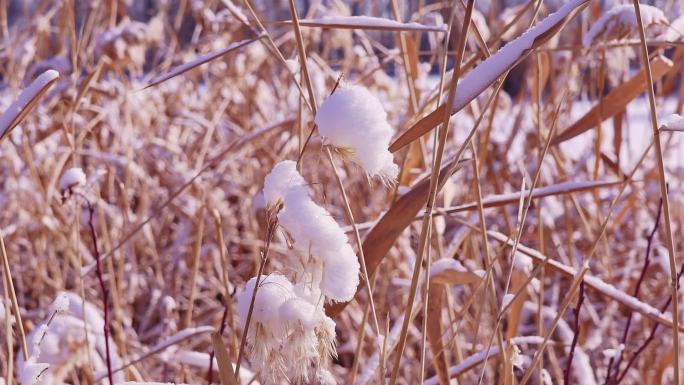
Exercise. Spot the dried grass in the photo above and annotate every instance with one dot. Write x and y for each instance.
(177, 115)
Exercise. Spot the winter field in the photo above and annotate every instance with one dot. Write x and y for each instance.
(341, 192)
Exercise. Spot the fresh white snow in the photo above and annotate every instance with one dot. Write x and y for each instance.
(15, 109)
(353, 119)
(621, 20)
(370, 22)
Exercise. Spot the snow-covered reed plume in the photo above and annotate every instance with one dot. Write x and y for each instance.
(59, 344)
(353, 120)
(333, 265)
(620, 21)
(316, 234)
(290, 333)
(72, 178)
(283, 177)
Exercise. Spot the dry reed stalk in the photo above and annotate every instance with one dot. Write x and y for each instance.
(490, 285)
(26, 101)
(8, 333)
(576, 284)
(273, 48)
(523, 208)
(359, 345)
(594, 283)
(196, 254)
(663, 193)
(175, 194)
(434, 331)
(432, 193)
(181, 336)
(433, 119)
(345, 199)
(180, 69)
(350, 23)
(400, 214)
(9, 285)
(537, 193)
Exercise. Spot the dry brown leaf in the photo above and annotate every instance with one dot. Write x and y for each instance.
(412, 55)
(473, 77)
(224, 364)
(382, 236)
(616, 101)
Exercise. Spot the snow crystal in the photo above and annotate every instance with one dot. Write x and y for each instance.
(59, 342)
(283, 177)
(523, 263)
(40, 333)
(289, 334)
(73, 177)
(354, 120)
(517, 359)
(312, 227)
(326, 378)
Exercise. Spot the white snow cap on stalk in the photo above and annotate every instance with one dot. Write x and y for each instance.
(59, 345)
(354, 120)
(620, 21)
(674, 122)
(283, 176)
(316, 233)
(31, 372)
(274, 290)
(289, 334)
(73, 177)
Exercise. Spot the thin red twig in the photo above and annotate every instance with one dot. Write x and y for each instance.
(625, 334)
(575, 338)
(103, 287)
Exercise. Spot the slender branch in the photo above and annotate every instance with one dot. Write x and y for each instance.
(663, 192)
(573, 345)
(650, 337)
(103, 287)
(434, 178)
(647, 262)
(270, 231)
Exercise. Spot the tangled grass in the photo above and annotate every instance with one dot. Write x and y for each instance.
(527, 243)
